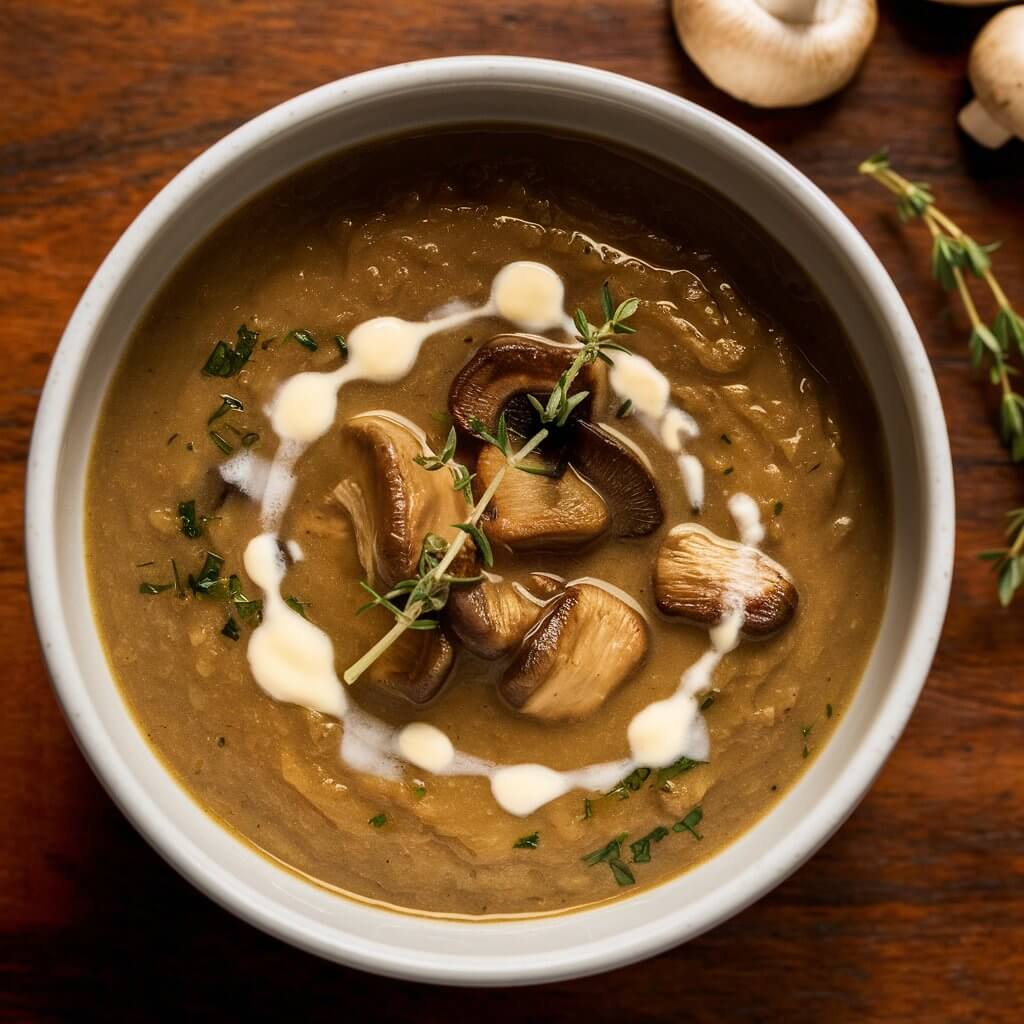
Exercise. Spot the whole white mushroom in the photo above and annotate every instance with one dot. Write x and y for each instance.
(996, 70)
(776, 53)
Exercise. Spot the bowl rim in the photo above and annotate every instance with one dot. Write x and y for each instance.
(593, 954)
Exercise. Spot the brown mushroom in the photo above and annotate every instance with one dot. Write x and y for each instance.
(415, 666)
(620, 476)
(510, 366)
(491, 618)
(393, 502)
(586, 645)
(699, 576)
(532, 511)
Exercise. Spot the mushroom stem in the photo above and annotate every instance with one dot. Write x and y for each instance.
(798, 12)
(976, 121)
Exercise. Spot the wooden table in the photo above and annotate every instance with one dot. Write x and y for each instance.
(913, 912)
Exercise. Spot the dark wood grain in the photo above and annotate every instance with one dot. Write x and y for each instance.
(912, 913)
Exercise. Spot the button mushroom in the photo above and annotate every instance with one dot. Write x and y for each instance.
(510, 366)
(588, 643)
(776, 53)
(415, 667)
(531, 511)
(393, 502)
(701, 577)
(491, 618)
(620, 475)
(996, 70)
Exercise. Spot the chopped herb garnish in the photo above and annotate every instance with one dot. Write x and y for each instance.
(588, 809)
(727, 439)
(154, 588)
(684, 764)
(190, 525)
(221, 443)
(304, 338)
(419, 791)
(828, 710)
(378, 820)
(621, 873)
(530, 842)
(462, 479)
(625, 409)
(248, 440)
(778, 508)
(727, 471)
(230, 629)
(805, 730)
(221, 741)
(630, 784)
(227, 404)
(142, 565)
(225, 361)
(707, 702)
(172, 437)
(642, 847)
(296, 605)
(208, 581)
(605, 853)
(806, 752)
(342, 345)
(690, 823)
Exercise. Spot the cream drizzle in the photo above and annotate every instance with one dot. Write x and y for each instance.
(292, 659)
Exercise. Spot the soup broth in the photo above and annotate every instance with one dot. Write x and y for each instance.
(227, 566)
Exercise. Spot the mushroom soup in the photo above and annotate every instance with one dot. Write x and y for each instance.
(488, 523)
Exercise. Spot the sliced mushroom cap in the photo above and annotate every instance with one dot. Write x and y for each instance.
(621, 477)
(393, 502)
(586, 645)
(491, 618)
(531, 512)
(701, 577)
(515, 365)
(415, 666)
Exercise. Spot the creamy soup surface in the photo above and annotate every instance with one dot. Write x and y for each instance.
(693, 574)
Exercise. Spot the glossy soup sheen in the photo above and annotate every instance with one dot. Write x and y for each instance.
(403, 228)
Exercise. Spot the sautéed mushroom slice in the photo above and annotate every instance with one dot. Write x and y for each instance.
(415, 667)
(393, 502)
(491, 618)
(700, 576)
(588, 644)
(534, 511)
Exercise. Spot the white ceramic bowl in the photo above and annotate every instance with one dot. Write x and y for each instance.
(544, 94)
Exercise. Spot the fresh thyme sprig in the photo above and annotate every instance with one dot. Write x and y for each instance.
(1008, 562)
(428, 592)
(955, 255)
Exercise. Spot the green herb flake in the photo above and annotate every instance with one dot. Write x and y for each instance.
(625, 409)
(630, 784)
(230, 629)
(190, 525)
(707, 702)
(690, 823)
(225, 361)
(296, 605)
(828, 710)
(378, 820)
(209, 583)
(218, 439)
(778, 508)
(419, 791)
(342, 345)
(227, 404)
(154, 588)
(605, 853)
(304, 338)
(726, 438)
(530, 842)
(588, 809)
(728, 471)
(805, 730)
(221, 741)
(642, 847)
(684, 764)
(621, 873)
